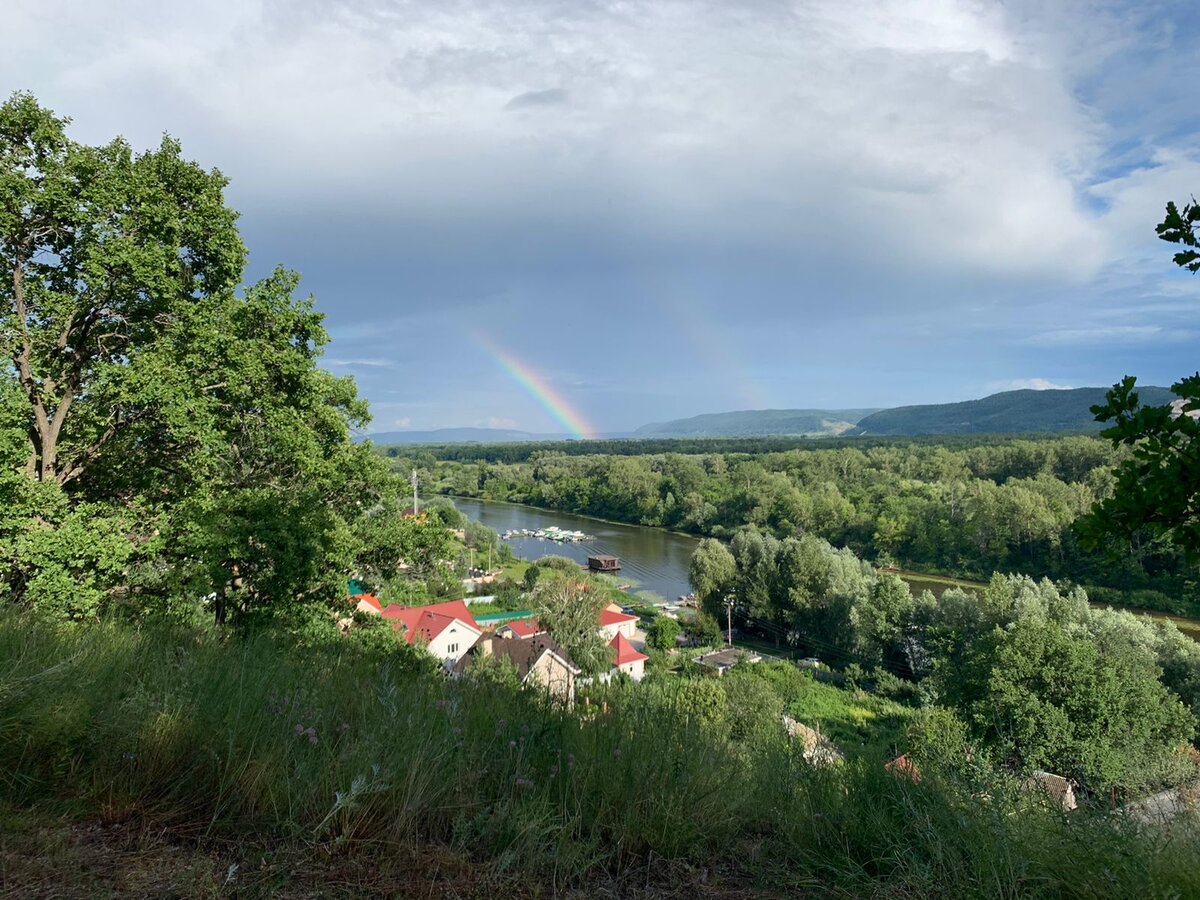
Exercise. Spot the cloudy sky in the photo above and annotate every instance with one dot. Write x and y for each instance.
(643, 210)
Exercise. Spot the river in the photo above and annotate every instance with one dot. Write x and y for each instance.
(654, 561)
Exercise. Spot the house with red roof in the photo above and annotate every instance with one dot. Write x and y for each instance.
(520, 628)
(538, 660)
(614, 622)
(447, 630)
(626, 659)
(367, 603)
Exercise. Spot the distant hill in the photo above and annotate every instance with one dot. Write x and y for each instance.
(1007, 412)
(758, 422)
(457, 436)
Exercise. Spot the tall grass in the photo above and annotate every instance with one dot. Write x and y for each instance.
(359, 745)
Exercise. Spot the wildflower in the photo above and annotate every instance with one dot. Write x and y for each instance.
(512, 745)
(523, 783)
(299, 728)
(501, 725)
(616, 751)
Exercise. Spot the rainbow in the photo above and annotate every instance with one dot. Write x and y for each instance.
(540, 390)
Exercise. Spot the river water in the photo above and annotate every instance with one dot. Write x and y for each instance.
(654, 561)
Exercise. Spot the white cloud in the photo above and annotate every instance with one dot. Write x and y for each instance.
(930, 132)
(359, 363)
(1111, 334)
(403, 422)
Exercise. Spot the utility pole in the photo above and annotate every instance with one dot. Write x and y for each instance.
(413, 481)
(729, 613)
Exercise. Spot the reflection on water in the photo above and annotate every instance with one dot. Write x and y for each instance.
(651, 559)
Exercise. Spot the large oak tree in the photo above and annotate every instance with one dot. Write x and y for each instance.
(166, 433)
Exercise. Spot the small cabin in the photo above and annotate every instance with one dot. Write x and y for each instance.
(604, 563)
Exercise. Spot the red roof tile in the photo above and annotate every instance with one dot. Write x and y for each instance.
(524, 628)
(428, 621)
(608, 617)
(625, 651)
(369, 599)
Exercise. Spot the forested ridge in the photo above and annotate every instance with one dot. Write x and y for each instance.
(954, 506)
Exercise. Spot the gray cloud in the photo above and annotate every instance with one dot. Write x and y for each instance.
(538, 99)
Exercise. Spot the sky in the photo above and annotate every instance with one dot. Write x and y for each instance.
(582, 216)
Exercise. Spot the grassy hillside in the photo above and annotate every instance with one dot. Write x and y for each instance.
(1022, 412)
(758, 422)
(212, 766)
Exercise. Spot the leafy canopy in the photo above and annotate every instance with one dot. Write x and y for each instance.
(1158, 486)
(165, 435)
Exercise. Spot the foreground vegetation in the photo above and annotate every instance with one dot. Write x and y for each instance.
(353, 749)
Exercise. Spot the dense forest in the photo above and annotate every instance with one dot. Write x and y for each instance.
(953, 506)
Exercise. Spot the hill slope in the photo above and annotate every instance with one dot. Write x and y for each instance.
(1010, 411)
(758, 422)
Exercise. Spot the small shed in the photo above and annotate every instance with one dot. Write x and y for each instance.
(604, 563)
(724, 660)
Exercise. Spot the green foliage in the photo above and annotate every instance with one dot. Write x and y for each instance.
(711, 572)
(1041, 679)
(355, 745)
(1179, 227)
(186, 425)
(569, 609)
(939, 737)
(509, 594)
(957, 506)
(1048, 700)
(389, 543)
(662, 633)
(1158, 484)
(558, 564)
(530, 579)
(705, 630)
